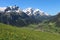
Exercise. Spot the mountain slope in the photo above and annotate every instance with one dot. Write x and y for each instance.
(8, 32)
(52, 25)
(56, 19)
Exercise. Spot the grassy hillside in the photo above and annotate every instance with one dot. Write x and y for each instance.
(8, 32)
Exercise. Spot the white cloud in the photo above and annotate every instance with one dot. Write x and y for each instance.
(2, 8)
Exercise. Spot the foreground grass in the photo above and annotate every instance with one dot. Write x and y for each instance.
(8, 32)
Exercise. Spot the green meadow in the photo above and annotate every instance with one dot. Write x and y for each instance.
(8, 32)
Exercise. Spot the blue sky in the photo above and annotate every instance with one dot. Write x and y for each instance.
(50, 6)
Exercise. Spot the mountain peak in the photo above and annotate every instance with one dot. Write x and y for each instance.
(28, 11)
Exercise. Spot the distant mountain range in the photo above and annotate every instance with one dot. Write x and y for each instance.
(15, 16)
(31, 11)
(28, 11)
(31, 18)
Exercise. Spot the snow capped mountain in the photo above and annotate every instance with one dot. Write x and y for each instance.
(38, 12)
(35, 12)
(10, 9)
(28, 11)
(28, 15)
(47, 14)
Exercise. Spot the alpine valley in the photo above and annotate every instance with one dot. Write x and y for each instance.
(28, 24)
